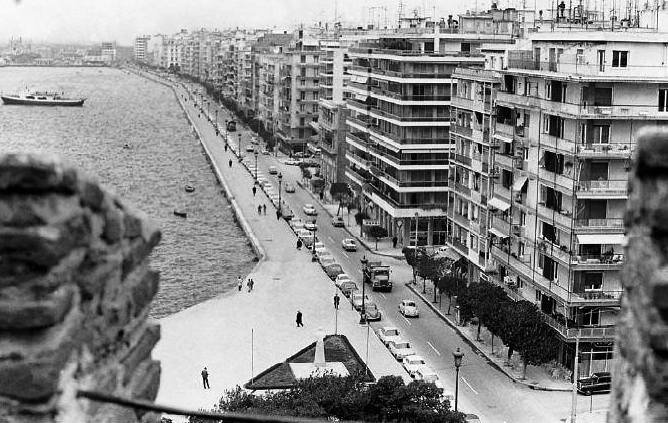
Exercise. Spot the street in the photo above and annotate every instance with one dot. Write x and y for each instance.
(483, 390)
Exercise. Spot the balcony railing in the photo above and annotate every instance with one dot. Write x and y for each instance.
(461, 188)
(614, 187)
(470, 104)
(461, 130)
(404, 97)
(605, 150)
(562, 218)
(584, 333)
(406, 118)
(463, 159)
(608, 223)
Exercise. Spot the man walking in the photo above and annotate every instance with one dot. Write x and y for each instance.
(240, 283)
(264, 209)
(230, 163)
(394, 241)
(250, 284)
(205, 379)
(254, 190)
(337, 299)
(259, 209)
(299, 319)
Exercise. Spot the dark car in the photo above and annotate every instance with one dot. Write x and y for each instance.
(596, 383)
(333, 270)
(231, 126)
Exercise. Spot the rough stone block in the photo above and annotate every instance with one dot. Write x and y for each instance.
(43, 312)
(140, 351)
(114, 414)
(33, 173)
(135, 251)
(31, 380)
(99, 270)
(144, 291)
(35, 210)
(113, 225)
(91, 195)
(146, 381)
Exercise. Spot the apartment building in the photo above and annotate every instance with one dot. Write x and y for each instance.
(141, 47)
(567, 118)
(398, 142)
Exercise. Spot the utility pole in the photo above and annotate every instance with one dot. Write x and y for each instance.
(574, 394)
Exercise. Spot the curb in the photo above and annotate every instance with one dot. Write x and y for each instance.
(475, 347)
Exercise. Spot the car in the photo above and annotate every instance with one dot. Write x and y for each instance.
(289, 188)
(297, 224)
(308, 240)
(408, 308)
(287, 214)
(372, 312)
(349, 244)
(310, 226)
(341, 279)
(471, 418)
(292, 162)
(357, 300)
(597, 383)
(426, 374)
(333, 270)
(347, 288)
(327, 260)
(320, 255)
(386, 334)
(265, 152)
(400, 349)
(413, 363)
(265, 183)
(250, 148)
(337, 222)
(261, 180)
(310, 210)
(272, 170)
(303, 234)
(318, 245)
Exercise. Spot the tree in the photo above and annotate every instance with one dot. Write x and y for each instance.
(339, 192)
(450, 285)
(359, 217)
(410, 254)
(375, 232)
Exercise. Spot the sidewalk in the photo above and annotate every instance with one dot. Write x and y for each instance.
(536, 378)
(239, 334)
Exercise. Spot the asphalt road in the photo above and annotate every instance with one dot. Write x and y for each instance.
(483, 390)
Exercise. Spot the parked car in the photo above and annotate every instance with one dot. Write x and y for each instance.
(425, 373)
(387, 334)
(357, 300)
(472, 418)
(265, 152)
(413, 363)
(319, 245)
(308, 240)
(310, 210)
(272, 170)
(347, 288)
(349, 244)
(250, 148)
(337, 222)
(341, 279)
(231, 126)
(310, 226)
(324, 254)
(372, 312)
(408, 308)
(297, 224)
(266, 184)
(333, 270)
(289, 188)
(291, 162)
(287, 213)
(400, 349)
(599, 382)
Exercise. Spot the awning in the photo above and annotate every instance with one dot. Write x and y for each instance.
(451, 254)
(607, 239)
(503, 138)
(359, 79)
(519, 183)
(495, 203)
(360, 97)
(497, 233)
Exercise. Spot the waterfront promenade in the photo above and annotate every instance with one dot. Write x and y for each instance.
(240, 334)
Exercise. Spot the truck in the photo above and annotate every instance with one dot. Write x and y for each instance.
(378, 275)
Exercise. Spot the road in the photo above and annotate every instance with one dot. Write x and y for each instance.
(483, 390)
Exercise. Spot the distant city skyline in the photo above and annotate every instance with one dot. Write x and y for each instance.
(86, 22)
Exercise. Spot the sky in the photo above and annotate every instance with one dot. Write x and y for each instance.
(93, 21)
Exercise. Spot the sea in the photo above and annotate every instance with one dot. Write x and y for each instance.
(200, 256)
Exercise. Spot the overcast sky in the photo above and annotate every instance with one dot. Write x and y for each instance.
(92, 21)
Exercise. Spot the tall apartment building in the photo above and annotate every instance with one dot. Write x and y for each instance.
(331, 122)
(398, 127)
(141, 47)
(567, 118)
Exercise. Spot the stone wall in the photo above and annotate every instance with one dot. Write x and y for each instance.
(640, 381)
(75, 289)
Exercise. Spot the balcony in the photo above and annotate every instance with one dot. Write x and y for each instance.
(594, 225)
(501, 225)
(562, 218)
(564, 182)
(480, 136)
(563, 145)
(462, 220)
(462, 189)
(594, 333)
(408, 118)
(470, 104)
(505, 129)
(602, 189)
(460, 246)
(463, 159)
(404, 97)
(598, 262)
(461, 130)
(595, 151)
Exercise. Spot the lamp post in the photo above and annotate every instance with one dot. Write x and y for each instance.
(457, 355)
(216, 121)
(256, 168)
(364, 262)
(239, 147)
(416, 229)
(280, 182)
(313, 257)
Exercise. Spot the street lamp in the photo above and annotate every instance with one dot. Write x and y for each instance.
(280, 182)
(416, 230)
(457, 355)
(313, 257)
(364, 262)
(256, 169)
(216, 121)
(239, 147)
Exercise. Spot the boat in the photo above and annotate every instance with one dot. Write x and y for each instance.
(190, 188)
(180, 213)
(41, 98)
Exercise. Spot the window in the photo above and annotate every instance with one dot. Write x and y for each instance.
(663, 99)
(301, 122)
(619, 58)
(302, 107)
(474, 242)
(314, 108)
(302, 58)
(600, 134)
(592, 281)
(590, 317)
(302, 95)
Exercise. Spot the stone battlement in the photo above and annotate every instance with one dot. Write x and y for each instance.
(75, 289)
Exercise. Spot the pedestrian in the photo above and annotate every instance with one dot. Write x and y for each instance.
(264, 209)
(394, 241)
(278, 214)
(337, 299)
(205, 379)
(259, 209)
(254, 190)
(240, 283)
(250, 284)
(225, 147)
(322, 195)
(299, 319)
(299, 243)
(230, 163)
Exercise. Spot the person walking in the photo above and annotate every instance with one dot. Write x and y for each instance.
(278, 214)
(254, 190)
(226, 147)
(299, 319)
(240, 283)
(264, 209)
(250, 285)
(205, 379)
(394, 241)
(230, 163)
(299, 243)
(337, 299)
(259, 209)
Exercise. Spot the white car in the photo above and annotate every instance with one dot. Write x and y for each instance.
(289, 188)
(303, 233)
(319, 245)
(322, 255)
(273, 170)
(408, 308)
(297, 224)
(326, 261)
(426, 374)
(388, 334)
(250, 148)
(413, 363)
(291, 162)
(310, 210)
(349, 244)
(357, 300)
(341, 279)
(311, 226)
(400, 349)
